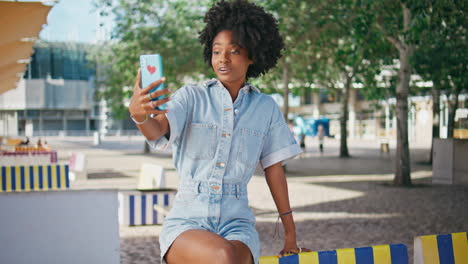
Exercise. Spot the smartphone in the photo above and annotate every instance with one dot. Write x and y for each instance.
(151, 69)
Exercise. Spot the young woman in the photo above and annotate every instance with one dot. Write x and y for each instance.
(219, 131)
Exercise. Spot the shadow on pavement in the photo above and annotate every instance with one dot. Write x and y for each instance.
(383, 214)
(362, 161)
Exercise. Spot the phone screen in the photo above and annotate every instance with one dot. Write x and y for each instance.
(151, 69)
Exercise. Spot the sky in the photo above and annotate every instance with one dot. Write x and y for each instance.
(75, 20)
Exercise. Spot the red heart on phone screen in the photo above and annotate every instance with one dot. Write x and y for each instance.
(151, 69)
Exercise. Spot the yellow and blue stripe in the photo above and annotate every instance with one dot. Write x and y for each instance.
(138, 208)
(445, 249)
(383, 254)
(34, 178)
(145, 210)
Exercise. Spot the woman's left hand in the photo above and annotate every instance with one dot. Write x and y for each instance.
(291, 251)
(290, 247)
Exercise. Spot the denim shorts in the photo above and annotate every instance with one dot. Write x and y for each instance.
(222, 210)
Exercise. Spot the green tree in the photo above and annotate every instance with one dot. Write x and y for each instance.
(328, 45)
(300, 24)
(395, 21)
(353, 56)
(169, 28)
(441, 54)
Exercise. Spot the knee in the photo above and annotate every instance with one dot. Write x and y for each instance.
(225, 254)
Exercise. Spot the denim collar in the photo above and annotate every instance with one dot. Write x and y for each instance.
(247, 86)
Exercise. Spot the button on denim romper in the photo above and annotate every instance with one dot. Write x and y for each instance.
(217, 145)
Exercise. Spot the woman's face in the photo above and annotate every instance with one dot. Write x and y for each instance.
(229, 61)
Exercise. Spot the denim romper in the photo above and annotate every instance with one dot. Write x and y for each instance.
(217, 145)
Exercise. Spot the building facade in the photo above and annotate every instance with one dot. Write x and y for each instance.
(57, 95)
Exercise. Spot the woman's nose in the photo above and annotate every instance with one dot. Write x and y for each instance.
(225, 56)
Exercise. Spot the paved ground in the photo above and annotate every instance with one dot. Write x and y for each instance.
(337, 203)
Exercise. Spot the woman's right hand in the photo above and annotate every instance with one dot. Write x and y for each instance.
(141, 107)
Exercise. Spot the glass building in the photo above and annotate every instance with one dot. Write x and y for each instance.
(57, 94)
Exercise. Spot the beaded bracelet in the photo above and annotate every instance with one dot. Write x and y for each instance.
(286, 213)
(277, 222)
(140, 123)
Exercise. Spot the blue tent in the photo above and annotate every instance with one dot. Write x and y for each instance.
(309, 127)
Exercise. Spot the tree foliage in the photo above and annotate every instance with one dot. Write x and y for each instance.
(329, 44)
(169, 28)
(441, 51)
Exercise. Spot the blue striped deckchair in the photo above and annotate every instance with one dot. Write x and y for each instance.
(34, 178)
(441, 249)
(383, 254)
(144, 207)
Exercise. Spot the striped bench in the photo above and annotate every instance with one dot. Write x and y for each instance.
(9, 158)
(13, 141)
(34, 178)
(383, 254)
(441, 249)
(30, 149)
(144, 207)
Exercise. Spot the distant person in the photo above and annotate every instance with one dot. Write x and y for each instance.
(45, 146)
(300, 123)
(302, 141)
(321, 137)
(25, 142)
(42, 144)
(220, 130)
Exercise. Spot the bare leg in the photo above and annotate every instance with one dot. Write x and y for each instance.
(201, 246)
(242, 252)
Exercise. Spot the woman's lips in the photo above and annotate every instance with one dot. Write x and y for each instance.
(224, 70)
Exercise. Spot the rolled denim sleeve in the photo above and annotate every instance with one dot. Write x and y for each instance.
(176, 116)
(279, 145)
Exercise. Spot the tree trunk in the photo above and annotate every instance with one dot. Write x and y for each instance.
(303, 95)
(402, 159)
(344, 119)
(452, 109)
(286, 77)
(435, 115)
(306, 96)
(147, 148)
(403, 169)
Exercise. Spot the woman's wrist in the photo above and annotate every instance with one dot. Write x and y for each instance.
(288, 224)
(290, 233)
(139, 119)
(290, 239)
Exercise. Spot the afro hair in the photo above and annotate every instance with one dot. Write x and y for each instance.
(252, 28)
